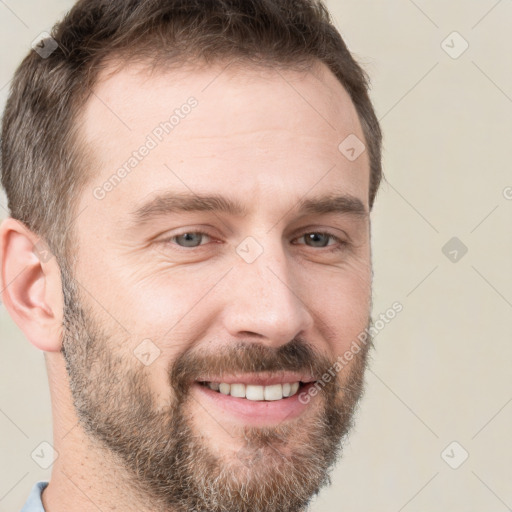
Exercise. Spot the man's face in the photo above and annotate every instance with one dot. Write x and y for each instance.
(170, 299)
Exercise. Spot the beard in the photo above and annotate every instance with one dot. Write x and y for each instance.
(169, 462)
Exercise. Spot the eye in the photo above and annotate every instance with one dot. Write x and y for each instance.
(321, 239)
(315, 239)
(188, 239)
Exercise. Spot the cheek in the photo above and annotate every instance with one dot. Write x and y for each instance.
(158, 298)
(343, 302)
(166, 315)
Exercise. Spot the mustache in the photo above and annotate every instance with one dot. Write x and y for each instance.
(247, 357)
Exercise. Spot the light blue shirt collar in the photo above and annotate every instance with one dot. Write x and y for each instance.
(34, 503)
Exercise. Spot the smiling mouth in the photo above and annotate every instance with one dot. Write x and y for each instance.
(254, 392)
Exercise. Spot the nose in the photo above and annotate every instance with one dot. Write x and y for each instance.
(265, 301)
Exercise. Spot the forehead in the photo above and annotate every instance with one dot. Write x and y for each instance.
(251, 128)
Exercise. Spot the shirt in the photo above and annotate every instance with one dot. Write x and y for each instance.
(34, 503)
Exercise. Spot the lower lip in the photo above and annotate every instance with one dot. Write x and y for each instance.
(255, 412)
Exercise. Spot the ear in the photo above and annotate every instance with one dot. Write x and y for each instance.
(31, 287)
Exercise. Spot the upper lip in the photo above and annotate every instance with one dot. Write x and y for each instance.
(258, 379)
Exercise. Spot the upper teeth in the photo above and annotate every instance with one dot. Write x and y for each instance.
(252, 392)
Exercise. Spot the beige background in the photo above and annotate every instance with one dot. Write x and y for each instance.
(441, 370)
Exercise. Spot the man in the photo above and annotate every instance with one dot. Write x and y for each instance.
(189, 186)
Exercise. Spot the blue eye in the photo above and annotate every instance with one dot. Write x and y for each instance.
(314, 239)
(320, 238)
(190, 239)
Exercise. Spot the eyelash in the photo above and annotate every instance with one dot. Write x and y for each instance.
(340, 246)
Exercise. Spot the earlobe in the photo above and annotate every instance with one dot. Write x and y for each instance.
(31, 285)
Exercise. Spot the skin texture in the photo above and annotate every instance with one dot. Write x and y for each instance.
(266, 138)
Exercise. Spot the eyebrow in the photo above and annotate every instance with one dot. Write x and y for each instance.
(169, 203)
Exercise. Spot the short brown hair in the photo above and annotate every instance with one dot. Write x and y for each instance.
(42, 167)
